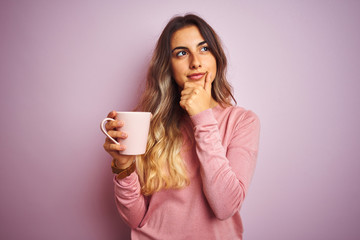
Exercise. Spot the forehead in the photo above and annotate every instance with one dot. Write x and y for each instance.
(187, 36)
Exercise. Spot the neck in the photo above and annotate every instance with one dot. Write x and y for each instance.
(213, 103)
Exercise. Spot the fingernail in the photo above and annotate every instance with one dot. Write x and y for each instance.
(120, 123)
(124, 134)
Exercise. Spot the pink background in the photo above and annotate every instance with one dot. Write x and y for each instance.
(65, 64)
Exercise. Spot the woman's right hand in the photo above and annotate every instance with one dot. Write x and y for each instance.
(121, 161)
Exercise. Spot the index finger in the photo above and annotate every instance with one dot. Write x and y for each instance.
(112, 114)
(207, 85)
(113, 124)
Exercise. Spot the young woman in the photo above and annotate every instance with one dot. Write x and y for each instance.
(201, 150)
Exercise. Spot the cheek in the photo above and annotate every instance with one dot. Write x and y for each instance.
(176, 74)
(213, 67)
(177, 70)
(210, 62)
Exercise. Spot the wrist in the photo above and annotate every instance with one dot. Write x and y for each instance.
(124, 162)
(124, 171)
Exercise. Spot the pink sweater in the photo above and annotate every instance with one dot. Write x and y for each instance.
(220, 162)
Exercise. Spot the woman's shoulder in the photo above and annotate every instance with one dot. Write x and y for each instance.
(237, 111)
(236, 114)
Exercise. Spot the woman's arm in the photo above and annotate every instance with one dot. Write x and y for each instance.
(129, 200)
(226, 173)
(130, 203)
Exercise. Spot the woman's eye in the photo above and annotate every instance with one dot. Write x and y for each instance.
(205, 49)
(181, 53)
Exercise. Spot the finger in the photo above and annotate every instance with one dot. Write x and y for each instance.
(196, 89)
(182, 104)
(109, 146)
(116, 147)
(187, 102)
(109, 141)
(185, 97)
(114, 124)
(111, 114)
(191, 85)
(207, 84)
(193, 95)
(121, 159)
(114, 154)
(187, 91)
(117, 134)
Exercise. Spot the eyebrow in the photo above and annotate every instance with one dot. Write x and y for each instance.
(200, 44)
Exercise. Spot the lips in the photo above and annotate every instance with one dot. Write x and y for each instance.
(196, 76)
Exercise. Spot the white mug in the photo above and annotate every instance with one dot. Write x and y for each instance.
(136, 125)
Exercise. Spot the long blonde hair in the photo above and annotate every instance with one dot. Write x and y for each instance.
(161, 167)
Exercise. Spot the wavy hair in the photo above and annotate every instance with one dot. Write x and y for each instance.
(161, 167)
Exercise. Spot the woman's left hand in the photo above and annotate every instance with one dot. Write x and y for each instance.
(196, 98)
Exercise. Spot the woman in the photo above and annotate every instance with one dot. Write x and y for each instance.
(201, 150)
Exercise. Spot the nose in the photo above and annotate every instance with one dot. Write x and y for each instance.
(195, 62)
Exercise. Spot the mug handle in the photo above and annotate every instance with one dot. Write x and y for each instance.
(102, 127)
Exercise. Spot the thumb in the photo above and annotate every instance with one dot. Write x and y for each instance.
(207, 85)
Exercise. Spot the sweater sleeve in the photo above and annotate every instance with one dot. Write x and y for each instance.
(226, 172)
(130, 203)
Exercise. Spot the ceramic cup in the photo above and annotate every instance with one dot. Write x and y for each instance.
(136, 125)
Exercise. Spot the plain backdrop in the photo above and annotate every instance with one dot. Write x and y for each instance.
(65, 64)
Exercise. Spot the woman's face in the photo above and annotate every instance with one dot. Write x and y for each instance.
(191, 58)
